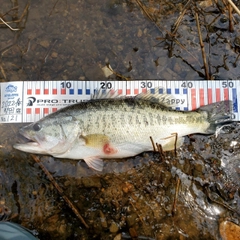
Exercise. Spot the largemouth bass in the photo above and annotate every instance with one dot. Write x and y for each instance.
(118, 127)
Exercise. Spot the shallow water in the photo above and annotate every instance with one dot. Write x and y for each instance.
(76, 39)
(131, 197)
(134, 195)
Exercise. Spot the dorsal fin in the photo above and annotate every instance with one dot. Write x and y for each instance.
(104, 94)
(158, 95)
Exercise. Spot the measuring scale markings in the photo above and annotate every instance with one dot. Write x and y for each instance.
(29, 101)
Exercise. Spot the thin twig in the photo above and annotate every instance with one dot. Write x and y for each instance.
(174, 207)
(15, 13)
(202, 47)
(234, 7)
(53, 8)
(220, 203)
(117, 74)
(3, 72)
(176, 24)
(235, 63)
(49, 50)
(175, 143)
(46, 57)
(59, 189)
(171, 38)
(2, 51)
(161, 152)
(12, 9)
(13, 29)
(137, 212)
(220, 6)
(154, 149)
(20, 19)
(26, 49)
(230, 18)
(148, 15)
(24, 12)
(144, 10)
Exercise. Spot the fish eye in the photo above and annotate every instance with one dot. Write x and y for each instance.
(37, 127)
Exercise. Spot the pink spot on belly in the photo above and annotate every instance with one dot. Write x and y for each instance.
(108, 149)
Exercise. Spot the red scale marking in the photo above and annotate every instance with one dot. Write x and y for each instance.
(201, 94)
(128, 91)
(54, 91)
(210, 98)
(226, 94)
(37, 110)
(45, 110)
(29, 92)
(54, 109)
(37, 91)
(120, 91)
(29, 110)
(135, 91)
(194, 101)
(63, 91)
(218, 96)
(144, 90)
(46, 91)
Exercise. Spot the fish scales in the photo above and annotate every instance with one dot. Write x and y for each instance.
(118, 127)
(128, 118)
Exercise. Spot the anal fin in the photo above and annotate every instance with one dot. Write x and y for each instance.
(171, 143)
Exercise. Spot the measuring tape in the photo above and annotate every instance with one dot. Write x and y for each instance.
(31, 100)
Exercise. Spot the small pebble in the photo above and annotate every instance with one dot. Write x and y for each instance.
(140, 33)
(229, 230)
(54, 55)
(113, 228)
(118, 237)
(103, 219)
(45, 43)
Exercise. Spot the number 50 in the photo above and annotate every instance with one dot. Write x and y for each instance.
(227, 84)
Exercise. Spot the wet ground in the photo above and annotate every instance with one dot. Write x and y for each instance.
(139, 39)
(187, 196)
(193, 195)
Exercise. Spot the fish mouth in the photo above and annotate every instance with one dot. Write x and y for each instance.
(27, 137)
(27, 143)
(30, 147)
(24, 134)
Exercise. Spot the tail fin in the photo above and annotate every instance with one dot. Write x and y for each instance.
(219, 113)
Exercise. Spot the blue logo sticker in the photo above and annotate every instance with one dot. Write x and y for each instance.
(11, 88)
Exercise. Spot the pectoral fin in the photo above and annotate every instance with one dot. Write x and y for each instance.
(94, 162)
(95, 140)
(171, 143)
